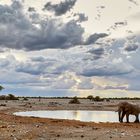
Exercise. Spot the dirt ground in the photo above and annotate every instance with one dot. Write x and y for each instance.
(31, 128)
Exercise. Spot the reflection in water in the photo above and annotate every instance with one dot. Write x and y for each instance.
(82, 115)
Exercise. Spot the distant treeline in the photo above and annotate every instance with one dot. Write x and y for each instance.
(124, 98)
(88, 97)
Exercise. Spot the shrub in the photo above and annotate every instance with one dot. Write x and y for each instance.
(98, 99)
(25, 98)
(90, 97)
(11, 97)
(8, 97)
(74, 101)
(2, 97)
(1, 88)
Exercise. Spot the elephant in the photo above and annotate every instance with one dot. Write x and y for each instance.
(125, 108)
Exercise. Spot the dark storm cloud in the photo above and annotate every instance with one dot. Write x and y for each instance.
(60, 8)
(17, 31)
(53, 35)
(41, 66)
(81, 17)
(107, 70)
(97, 51)
(31, 9)
(13, 24)
(129, 47)
(33, 69)
(94, 37)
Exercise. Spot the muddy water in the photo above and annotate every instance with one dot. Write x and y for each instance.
(82, 115)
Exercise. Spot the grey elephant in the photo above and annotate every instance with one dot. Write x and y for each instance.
(125, 108)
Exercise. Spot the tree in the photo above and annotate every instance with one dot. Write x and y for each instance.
(90, 97)
(1, 87)
(97, 98)
(74, 101)
(11, 97)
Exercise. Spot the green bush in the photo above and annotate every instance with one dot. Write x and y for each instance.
(98, 99)
(25, 99)
(74, 101)
(1, 88)
(2, 97)
(11, 97)
(8, 97)
(90, 97)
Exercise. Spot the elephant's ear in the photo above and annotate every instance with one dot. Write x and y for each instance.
(127, 108)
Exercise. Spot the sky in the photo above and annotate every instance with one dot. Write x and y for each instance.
(70, 48)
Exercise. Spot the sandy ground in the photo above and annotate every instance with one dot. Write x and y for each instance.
(31, 128)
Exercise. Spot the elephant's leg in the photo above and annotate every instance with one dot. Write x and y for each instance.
(120, 115)
(137, 118)
(123, 114)
(127, 117)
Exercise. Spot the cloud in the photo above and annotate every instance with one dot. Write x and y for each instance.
(131, 46)
(42, 66)
(108, 69)
(54, 35)
(38, 59)
(4, 63)
(122, 87)
(96, 53)
(134, 2)
(122, 23)
(33, 69)
(31, 9)
(94, 37)
(85, 84)
(81, 17)
(61, 8)
(12, 77)
(19, 32)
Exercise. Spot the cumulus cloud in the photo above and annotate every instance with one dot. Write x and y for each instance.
(17, 31)
(95, 53)
(38, 59)
(130, 46)
(42, 66)
(109, 69)
(54, 35)
(31, 9)
(61, 8)
(34, 69)
(94, 37)
(81, 17)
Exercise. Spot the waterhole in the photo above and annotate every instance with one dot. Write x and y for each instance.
(81, 115)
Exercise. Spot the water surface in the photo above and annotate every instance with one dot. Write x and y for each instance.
(82, 115)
